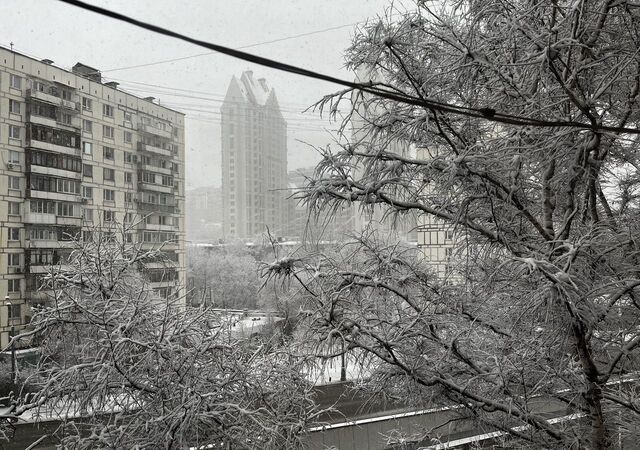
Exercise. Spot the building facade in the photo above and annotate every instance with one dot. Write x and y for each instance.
(437, 240)
(76, 154)
(254, 160)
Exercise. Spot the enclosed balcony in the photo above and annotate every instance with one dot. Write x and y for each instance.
(154, 130)
(154, 148)
(50, 96)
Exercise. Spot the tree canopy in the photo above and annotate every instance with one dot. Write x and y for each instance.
(518, 129)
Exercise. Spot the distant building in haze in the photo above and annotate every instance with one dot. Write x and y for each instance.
(254, 160)
(366, 112)
(204, 214)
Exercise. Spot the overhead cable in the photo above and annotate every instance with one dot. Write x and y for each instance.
(486, 113)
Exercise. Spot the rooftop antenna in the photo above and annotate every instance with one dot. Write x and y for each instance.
(11, 44)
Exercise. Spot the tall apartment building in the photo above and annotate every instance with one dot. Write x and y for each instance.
(76, 153)
(254, 159)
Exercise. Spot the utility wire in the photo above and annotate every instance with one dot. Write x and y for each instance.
(286, 38)
(483, 113)
(212, 100)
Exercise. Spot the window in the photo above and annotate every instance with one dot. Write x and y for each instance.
(42, 234)
(108, 153)
(14, 208)
(109, 174)
(128, 217)
(128, 137)
(14, 106)
(15, 81)
(88, 214)
(107, 131)
(13, 286)
(14, 234)
(87, 148)
(148, 177)
(128, 197)
(14, 182)
(107, 110)
(14, 132)
(449, 234)
(66, 209)
(65, 118)
(87, 235)
(127, 116)
(162, 220)
(128, 238)
(86, 103)
(87, 126)
(14, 157)
(167, 180)
(87, 170)
(109, 216)
(13, 259)
(128, 177)
(87, 192)
(42, 207)
(129, 157)
(448, 252)
(109, 195)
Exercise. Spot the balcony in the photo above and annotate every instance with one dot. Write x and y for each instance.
(74, 125)
(32, 143)
(42, 120)
(73, 221)
(39, 296)
(160, 265)
(51, 219)
(152, 149)
(152, 207)
(157, 227)
(49, 243)
(150, 129)
(46, 268)
(54, 172)
(52, 99)
(168, 245)
(155, 187)
(56, 196)
(40, 218)
(156, 169)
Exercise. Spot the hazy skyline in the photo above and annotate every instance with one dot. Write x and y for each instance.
(66, 34)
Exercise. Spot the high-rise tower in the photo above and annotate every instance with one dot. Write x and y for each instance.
(254, 159)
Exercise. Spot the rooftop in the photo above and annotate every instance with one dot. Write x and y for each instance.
(90, 73)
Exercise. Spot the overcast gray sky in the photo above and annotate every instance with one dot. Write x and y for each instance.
(65, 34)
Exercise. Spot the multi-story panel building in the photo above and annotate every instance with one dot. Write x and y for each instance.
(77, 153)
(254, 159)
(436, 239)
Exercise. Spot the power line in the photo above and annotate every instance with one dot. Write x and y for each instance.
(286, 38)
(213, 100)
(371, 88)
(212, 120)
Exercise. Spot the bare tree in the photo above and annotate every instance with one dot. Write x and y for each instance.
(226, 277)
(133, 370)
(518, 114)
